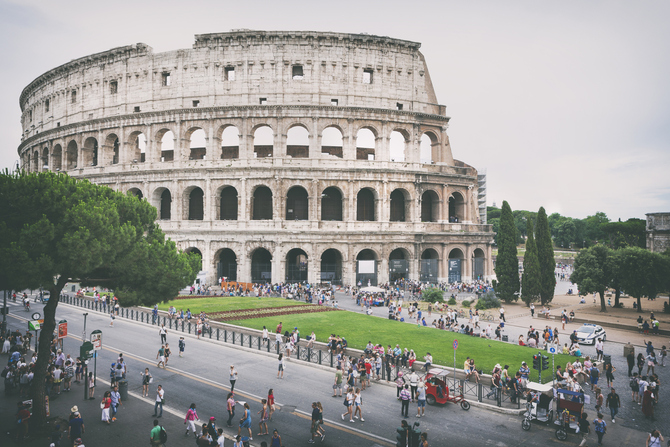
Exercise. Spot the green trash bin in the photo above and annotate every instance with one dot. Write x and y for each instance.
(123, 389)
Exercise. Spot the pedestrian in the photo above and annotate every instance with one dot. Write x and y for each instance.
(233, 378)
(105, 405)
(599, 349)
(230, 407)
(271, 402)
(648, 403)
(651, 361)
(212, 432)
(314, 427)
(613, 403)
(320, 431)
(502, 314)
(630, 358)
(111, 319)
(337, 385)
(116, 401)
(265, 416)
(640, 363)
(609, 374)
(663, 355)
(600, 427)
(156, 435)
(599, 399)
(275, 441)
(280, 367)
(413, 383)
(595, 375)
(654, 439)
(191, 417)
(349, 404)
(358, 405)
(245, 422)
(421, 399)
(76, 426)
(532, 310)
(160, 399)
(160, 356)
(163, 333)
(182, 346)
(405, 397)
(634, 388)
(91, 386)
(146, 380)
(584, 428)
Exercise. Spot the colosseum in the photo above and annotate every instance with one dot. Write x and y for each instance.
(278, 156)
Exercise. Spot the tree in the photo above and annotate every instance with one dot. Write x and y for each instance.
(629, 233)
(594, 271)
(641, 272)
(432, 295)
(507, 264)
(545, 256)
(56, 229)
(530, 280)
(593, 231)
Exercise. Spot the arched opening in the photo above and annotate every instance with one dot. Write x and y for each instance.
(365, 145)
(426, 148)
(398, 264)
(195, 205)
(45, 159)
(35, 161)
(227, 265)
(230, 143)
(365, 205)
(90, 152)
(167, 146)
(297, 142)
(162, 199)
(57, 158)
(429, 266)
(297, 204)
(455, 265)
(332, 142)
(397, 146)
(456, 208)
(261, 266)
(136, 192)
(198, 145)
(331, 266)
(331, 204)
(197, 252)
(228, 204)
(366, 268)
(478, 264)
(110, 151)
(429, 206)
(398, 206)
(296, 265)
(138, 141)
(72, 155)
(263, 142)
(262, 204)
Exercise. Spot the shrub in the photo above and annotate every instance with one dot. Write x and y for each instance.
(489, 300)
(465, 303)
(452, 301)
(432, 295)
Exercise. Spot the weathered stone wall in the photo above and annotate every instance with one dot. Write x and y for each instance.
(658, 232)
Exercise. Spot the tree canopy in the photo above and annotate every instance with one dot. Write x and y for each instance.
(507, 263)
(530, 280)
(545, 256)
(595, 271)
(55, 229)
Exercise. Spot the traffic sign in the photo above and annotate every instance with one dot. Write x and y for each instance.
(62, 329)
(455, 344)
(96, 340)
(552, 349)
(34, 325)
(36, 316)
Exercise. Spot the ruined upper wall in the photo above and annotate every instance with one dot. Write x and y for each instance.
(238, 68)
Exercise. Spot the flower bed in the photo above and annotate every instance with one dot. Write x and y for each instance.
(267, 312)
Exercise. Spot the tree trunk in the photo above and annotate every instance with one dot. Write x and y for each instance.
(639, 305)
(603, 307)
(617, 295)
(37, 389)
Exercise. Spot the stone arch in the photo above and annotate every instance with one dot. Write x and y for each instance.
(398, 141)
(455, 268)
(296, 265)
(400, 203)
(137, 192)
(229, 135)
(297, 203)
(263, 141)
(197, 138)
(366, 267)
(193, 203)
(227, 206)
(429, 144)
(366, 143)
(137, 142)
(366, 205)
(430, 206)
(35, 161)
(297, 141)
(90, 152)
(225, 262)
(57, 158)
(478, 264)
(111, 150)
(165, 138)
(197, 251)
(161, 199)
(430, 263)
(399, 260)
(331, 266)
(331, 204)
(72, 155)
(332, 141)
(45, 158)
(261, 203)
(261, 265)
(456, 207)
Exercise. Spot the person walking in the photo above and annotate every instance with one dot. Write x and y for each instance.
(654, 439)
(532, 310)
(76, 426)
(155, 437)
(191, 417)
(584, 428)
(104, 405)
(233, 378)
(640, 363)
(337, 385)
(230, 407)
(630, 359)
(275, 441)
(182, 346)
(600, 427)
(599, 345)
(421, 399)
(613, 403)
(167, 354)
(358, 404)
(349, 403)
(271, 402)
(160, 399)
(160, 356)
(265, 416)
(315, 423)
(146, 380)
(245, 422)
(609, 374)
(163, 333)
(116, 401)
(405, 397)
(280, 366)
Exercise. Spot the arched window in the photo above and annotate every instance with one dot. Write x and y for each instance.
(90, 154)
(365, 205)
(455, 265)
(296, 265)
(478, 264)
(262, 204)
(456, 208)
(332, 142)
(165, 205)
(72, 155)
(365, 145)
(195, 204)
(331, 204)
(263, 142)
(136, 192)
(198, 145)
(429, 206)
(230, 143)
(167, 146)
(426, 149)
(261, 266)
(398, 264)
(228, 204)
(139, 147)
(429, 265)
(297, 142)
(331, 266)
(45, 158)
(56, 158)
(366, 268)
(297, 207)
(227, 265)
(397, 146)
(397, 206)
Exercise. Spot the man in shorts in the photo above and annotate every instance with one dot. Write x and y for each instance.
(161, 356)
(420, 399)
(338, 382)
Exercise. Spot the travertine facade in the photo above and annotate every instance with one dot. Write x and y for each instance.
(658, 232)
(277, 155)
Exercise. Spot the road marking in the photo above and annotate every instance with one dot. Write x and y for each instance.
(346, 428)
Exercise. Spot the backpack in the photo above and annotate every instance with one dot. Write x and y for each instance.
(163, 435)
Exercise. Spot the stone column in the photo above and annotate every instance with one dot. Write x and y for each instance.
(349, 142)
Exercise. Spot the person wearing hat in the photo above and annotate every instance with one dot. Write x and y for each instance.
(79, 443)
(525, 371)
(211, 430)
(76, 426)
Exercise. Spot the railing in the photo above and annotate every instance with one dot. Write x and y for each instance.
(389, 370)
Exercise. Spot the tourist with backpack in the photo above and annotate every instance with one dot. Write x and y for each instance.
(158, 435)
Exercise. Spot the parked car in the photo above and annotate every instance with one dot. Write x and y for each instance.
(589, 333)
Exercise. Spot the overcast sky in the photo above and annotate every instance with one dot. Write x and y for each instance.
(565, 104)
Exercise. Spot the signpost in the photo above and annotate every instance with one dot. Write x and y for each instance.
(455, 345)
(96, 341)
(35, 325)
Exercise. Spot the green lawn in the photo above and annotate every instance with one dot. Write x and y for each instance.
(358, 329)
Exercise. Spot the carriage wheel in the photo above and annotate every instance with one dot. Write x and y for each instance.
(525, 424)
(465, 405)
(561, 434)
(430, 399)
